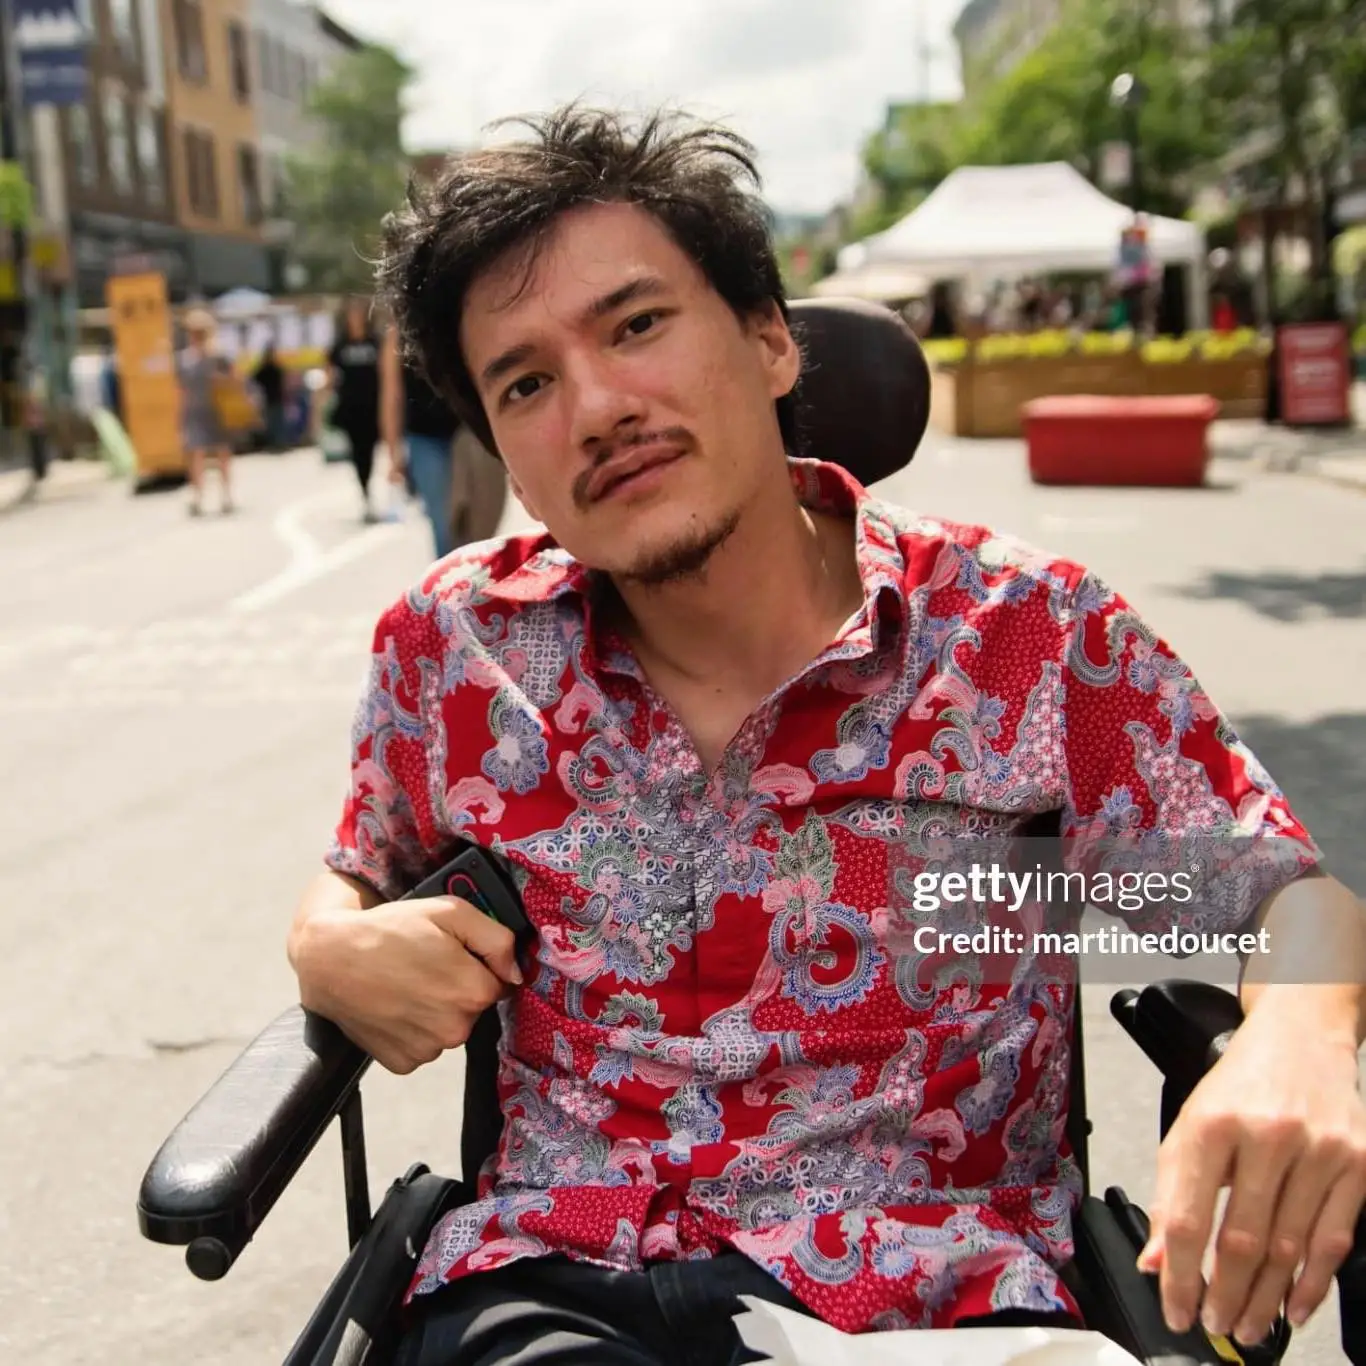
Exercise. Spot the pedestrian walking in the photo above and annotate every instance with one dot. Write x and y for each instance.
(36, 421)
(354, 367)
(479, 490)
(203, 434)
(420, 431)
(269, 377)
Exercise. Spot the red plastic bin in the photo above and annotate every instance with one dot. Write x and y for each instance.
(1092, 439)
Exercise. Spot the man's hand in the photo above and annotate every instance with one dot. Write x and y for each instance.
(408, 980)
(1280, 1121)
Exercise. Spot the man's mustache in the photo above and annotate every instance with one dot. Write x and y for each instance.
(674, 436)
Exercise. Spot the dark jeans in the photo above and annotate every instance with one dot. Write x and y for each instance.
(37, 455)
(362, 431)
(554, 1312)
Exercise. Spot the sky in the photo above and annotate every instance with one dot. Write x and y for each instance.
(804, 80)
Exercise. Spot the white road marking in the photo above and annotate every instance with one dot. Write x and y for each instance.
(309, 561)
(214, 661)
(288, 527)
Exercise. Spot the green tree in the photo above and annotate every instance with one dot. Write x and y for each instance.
(355, 173)
(1055, 105)
(1292, 76)
(906, 159)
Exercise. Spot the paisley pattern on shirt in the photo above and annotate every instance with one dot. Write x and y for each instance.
(729, 1038)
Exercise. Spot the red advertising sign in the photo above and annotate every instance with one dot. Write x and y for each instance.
(1316, 374)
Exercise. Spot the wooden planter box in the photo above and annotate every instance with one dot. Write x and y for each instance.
(985, 399)
(1147, 441)
(1237, 385)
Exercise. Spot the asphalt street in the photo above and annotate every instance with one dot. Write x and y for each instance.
(177, 699)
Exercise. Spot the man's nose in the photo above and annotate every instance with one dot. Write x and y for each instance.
(601, 404)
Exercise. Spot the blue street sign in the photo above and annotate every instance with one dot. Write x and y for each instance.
(51, 41)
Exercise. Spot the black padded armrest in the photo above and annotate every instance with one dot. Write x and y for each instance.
(1182, 1026)
(1119, 1300)
(221, 1171)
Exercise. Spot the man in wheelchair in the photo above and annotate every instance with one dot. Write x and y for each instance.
(703, 720)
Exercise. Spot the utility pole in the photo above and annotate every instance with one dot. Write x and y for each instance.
(13, 317)
(924, 52)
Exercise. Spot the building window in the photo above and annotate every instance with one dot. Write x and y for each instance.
(193, 191)
(84, 166)
(279, 187)
(122, 28)
(237, 57)
(149, 156)
(116, 144)
(201, 173)
(191, 59)
(249, 182)
(266, 55)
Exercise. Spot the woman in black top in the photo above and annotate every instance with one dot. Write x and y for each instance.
(270, 380)
(354, 363)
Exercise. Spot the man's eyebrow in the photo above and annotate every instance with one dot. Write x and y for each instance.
(509, 360)
(643, 287)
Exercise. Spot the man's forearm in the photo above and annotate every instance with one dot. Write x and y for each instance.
(391, 397)
(327, 893)
(1315, 964)
(391, 423)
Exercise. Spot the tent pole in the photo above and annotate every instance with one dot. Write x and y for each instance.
(1197, 293)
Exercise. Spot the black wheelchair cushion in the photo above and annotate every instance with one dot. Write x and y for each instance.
(863, 399)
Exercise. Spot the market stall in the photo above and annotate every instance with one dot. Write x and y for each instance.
(987, 224)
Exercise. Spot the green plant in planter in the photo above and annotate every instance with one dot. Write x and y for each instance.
(1106, 343)
(1167, 351)
(1227, 346)
(945, 351)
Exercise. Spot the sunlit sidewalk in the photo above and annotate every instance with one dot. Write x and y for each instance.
(65, 479)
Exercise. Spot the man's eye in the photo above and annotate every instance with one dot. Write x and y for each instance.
(521, 388)
(641, 323)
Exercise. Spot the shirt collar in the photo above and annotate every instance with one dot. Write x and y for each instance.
(549, 572)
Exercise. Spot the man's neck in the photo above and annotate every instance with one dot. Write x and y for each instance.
(769, 599)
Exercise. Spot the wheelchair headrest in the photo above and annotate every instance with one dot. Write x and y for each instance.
(864, 393)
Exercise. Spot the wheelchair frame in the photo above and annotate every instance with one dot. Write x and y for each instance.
(222, 1169)
(220, 1172)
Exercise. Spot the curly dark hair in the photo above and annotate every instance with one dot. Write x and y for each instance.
(487, 202)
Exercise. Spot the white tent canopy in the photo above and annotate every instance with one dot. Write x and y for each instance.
(242, 303)
(878, 283)
(1000, 222)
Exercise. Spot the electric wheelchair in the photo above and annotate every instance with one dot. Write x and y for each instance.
(864, 400)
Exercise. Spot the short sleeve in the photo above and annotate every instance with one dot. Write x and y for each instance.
(389, 831)
(1159, 787)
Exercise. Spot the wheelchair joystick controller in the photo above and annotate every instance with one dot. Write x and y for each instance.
(483, 879)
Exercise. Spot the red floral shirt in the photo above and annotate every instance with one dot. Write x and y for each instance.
(731, 1037)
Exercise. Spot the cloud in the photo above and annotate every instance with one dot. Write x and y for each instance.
(805, 80)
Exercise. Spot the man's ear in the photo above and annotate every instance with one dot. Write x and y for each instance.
(779, 352)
